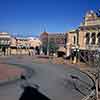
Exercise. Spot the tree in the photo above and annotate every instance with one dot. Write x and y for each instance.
(44, 48)
(52, 47)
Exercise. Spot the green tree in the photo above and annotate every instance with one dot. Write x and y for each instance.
(52, 47)
(45, 47)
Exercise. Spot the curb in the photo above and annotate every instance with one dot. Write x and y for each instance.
(9, 81)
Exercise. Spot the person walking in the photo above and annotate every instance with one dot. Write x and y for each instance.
(4, 50)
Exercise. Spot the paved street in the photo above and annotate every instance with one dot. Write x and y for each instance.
(8, 72)
(50, 77)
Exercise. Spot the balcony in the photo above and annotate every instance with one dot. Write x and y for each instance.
(92, 47)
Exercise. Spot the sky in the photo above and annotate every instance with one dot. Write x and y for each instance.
(30, 17)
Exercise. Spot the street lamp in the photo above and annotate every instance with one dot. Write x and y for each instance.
(48, 48)
(77, 54)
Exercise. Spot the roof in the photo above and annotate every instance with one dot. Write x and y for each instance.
(72, 30)
(44, 33)
(4, 33)
(22, 38)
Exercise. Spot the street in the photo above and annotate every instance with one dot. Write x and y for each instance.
(49, 76)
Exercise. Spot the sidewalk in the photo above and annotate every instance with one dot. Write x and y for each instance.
(9, 73)
(80, 65)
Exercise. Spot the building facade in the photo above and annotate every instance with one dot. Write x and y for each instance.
(5, 43)
(24, 45)
(47, 39)
(12, 45)
(86, 37)
(89, 31)
(25, 42)
(71, 42)
(5, 39)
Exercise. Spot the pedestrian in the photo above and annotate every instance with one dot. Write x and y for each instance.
(29, 53)
(72, 57)
(4, 50)
(34, 51)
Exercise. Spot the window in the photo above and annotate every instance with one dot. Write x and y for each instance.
(93, 36)
(87, 38)
(74, 40)
(98, 36)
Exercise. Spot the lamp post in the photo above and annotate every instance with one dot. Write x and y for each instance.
(77, 54)
(48, 47)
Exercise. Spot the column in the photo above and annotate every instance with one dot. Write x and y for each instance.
(90, 38)
(96, 38)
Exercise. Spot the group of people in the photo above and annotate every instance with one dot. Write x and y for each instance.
(31, 52)
(35, 51)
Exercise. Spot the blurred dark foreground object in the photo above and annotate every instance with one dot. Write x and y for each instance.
(31, 93)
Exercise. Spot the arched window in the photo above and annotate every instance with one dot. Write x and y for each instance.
(87, 38)
(98, 36)
(93, 36)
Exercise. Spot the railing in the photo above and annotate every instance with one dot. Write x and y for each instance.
(92, 47)
(89, 97)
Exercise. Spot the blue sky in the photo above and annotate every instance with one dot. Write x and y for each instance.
(30, 16)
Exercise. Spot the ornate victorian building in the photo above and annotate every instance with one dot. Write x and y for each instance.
(89, 31)
(87, 36)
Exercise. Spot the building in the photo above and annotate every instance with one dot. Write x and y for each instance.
(34, 42)
(89, 31)
(5, 42)
(71, 42)
(31, 42)
(22, 45)
(4, 39)
(13, 45)
(86, 37)
(57, 38)
(52, 39)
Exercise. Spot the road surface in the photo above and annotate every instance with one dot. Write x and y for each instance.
(50, 77)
